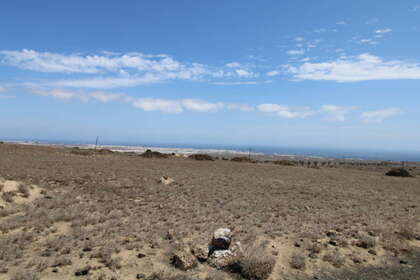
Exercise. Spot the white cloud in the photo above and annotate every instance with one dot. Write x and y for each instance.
(299, 39)
(146, 104)
(244, 73)
(106, 96)
(2, 89)
(154, 104)
(64, 94)
(52, 62)
(201, 106)
(320, 30)
(380, 115)
(120, 70)
(285, 111)
(236, 83)
(363, 67)
(368, 41)
(234, 65)
(337, 113)
(240, 107)
(416, 8)
(383, 31)
(341, 22)
(295, 52)
(109, 82)
(273, 73)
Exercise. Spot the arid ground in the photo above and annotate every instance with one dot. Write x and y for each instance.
(70, 214)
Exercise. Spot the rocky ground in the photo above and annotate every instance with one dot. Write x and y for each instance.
(75, 214)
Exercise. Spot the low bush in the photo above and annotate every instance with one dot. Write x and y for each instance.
(298, 261)
(201, 157)
(256, 264)
(398, 172)
(153, 154)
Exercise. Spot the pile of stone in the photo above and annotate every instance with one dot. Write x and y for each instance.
(220, 253)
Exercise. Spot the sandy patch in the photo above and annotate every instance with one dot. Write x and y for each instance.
(16, 192)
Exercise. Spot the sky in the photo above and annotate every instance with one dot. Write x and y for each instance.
(298, 73)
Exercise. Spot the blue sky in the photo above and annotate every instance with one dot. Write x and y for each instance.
(339, 74)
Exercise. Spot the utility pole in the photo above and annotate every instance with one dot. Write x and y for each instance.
(96, 143)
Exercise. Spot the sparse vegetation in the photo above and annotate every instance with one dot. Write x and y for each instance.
(256, 264)
(201, 157)
(399, 172)
(107, 212)
(154, 154)
(335, 258)
(298, 261)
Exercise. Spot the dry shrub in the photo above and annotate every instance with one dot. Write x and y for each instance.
(215, 275)
(241, 159)
(201, 157)
(398, 172)
(285, 162)
(256, 264)
(366, 242)
(298, 261)
(408, 230)
(24, 190)
(61, 261)
(104, 151)
(81, 152)
(335, 258)
(169, 275)
(8, 196)
(153, 154)
(25, 275)
(393, 243)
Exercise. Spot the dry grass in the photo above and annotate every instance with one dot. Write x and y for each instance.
(107, 208)
(298, 261)
(256, 264)
(335, 258)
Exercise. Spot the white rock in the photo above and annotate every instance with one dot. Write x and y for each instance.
(222, 238)
(166, 180)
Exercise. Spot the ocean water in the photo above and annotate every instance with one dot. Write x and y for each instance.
(363, 154)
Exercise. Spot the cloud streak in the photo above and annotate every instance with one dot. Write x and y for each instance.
(285, 111)
(380, 115)
(111, 70)
(146, 104)
(364, 67)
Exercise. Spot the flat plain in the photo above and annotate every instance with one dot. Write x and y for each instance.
(71, 214)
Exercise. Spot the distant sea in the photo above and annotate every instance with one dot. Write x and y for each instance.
(357, 154)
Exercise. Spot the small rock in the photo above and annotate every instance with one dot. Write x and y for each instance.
(333, 243)
(403, 262)
(141, 255)
(222, 238)
(372, 252)
(140, 276)
(83, 271)
(331, 234)
(201, 252)
(223, 259)
(166, 180)
(87, 249)
(55, 270)
(184, 260)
